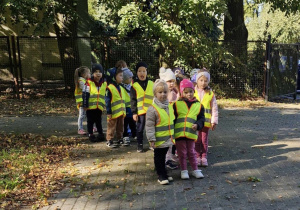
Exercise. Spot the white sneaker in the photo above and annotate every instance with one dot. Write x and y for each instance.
(163, 181)
(170, 179)
(126, 141)
(185, 174)
(197, 174)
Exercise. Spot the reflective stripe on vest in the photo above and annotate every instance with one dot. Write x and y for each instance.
(96, 100)
(144, 98)
(117, 101)
(78, 93)
(165, 127)
(206, 102)
(186, 118)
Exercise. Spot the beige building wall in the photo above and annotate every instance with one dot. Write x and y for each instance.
(40, 58)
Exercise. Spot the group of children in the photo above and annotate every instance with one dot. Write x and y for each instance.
(176, 111)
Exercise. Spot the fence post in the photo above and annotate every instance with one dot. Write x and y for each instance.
(20, 66)
(267, 75)
(15, 66)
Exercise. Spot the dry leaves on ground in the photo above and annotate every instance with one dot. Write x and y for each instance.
(33, 168)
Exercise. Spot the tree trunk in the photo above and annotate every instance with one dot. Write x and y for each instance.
(69, 45)
(236, 33)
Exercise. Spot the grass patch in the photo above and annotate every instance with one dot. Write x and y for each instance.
(32, 168)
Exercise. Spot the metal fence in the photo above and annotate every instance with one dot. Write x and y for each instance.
(48, 63)
(283, 74)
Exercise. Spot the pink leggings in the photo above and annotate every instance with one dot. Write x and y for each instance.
(186, 148)
(201, 145)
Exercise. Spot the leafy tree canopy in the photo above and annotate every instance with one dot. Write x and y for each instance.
(282, 29)
(182, 27)
(39, 14)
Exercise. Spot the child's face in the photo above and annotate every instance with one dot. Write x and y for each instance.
(171, 84)
(119, 78)
(161, 94)
(188, 93)
(142, 73)
(202, 82)
(127, 81)
(97, 75)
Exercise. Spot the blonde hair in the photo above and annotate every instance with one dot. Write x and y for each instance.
(161, 86)
(79, 72)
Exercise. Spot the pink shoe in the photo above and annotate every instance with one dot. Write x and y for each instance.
(81, 132)
(199, 161)
(204, 162)
(94, 129)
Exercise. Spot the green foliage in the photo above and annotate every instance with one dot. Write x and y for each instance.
(282, 28)
(38, 14)
(183, 29)
(288, 7)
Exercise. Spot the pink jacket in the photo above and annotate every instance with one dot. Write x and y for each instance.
(214, 106)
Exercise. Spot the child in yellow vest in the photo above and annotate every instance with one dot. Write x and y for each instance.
(80, 76)
(207, 98)
(128, 120)
(189, 117)
(141, 96)
(115, 108)
(173, 94)
(95, 105)
(160, 128)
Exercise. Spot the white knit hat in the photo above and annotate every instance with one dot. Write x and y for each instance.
(203, 73)
(166, 74)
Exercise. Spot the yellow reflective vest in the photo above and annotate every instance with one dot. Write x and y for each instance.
(96, 100)
(206, 102)
(117, 101)
(144, 98)
(78, 94)
(127, 99)
(186, 118)
(164, 129)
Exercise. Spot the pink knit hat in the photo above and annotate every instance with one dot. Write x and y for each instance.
(185, 83)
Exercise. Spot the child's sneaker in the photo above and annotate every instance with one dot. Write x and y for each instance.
(170, 179)
(120, 142)
(111, 144)
(204, 162)
(185, 174)
(100, 137)
(92, 138)
(197, 174)
(163, 181)
(198, 161)
(81, 132)
(126, 141)
(140, 148)
(171, 165)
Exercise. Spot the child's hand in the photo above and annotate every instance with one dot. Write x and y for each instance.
(213, 126)
(135, 117)
(109, 116)
(194, 127)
